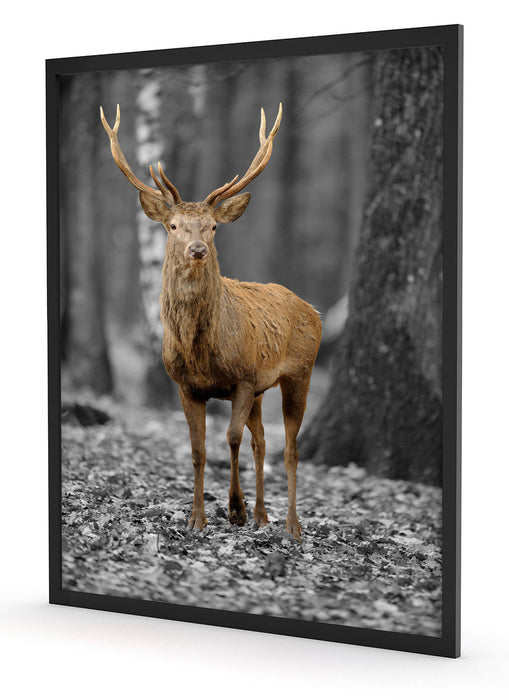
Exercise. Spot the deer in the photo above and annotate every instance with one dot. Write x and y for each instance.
(224, 338)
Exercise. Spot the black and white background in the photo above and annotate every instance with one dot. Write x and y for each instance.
(72, 643)
(348, 215)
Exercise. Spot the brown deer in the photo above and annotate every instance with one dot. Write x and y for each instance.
(223, 338)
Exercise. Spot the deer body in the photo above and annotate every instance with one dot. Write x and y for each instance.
(233, 337)
(227, 339)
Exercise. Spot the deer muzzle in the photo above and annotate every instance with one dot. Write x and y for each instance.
(197, 250)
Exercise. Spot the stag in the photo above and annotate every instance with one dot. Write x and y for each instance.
(223, 338)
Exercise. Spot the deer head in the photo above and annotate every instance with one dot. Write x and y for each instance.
(191, 226)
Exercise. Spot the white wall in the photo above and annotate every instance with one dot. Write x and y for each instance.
(83, 654)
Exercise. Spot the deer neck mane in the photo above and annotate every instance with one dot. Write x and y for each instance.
(190, 302)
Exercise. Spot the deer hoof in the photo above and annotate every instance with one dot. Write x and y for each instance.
(197, 521)
(293, 527)
(260, 517)
(237, 513)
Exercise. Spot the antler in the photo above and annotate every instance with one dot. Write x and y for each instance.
(258, 164)
(167, 192)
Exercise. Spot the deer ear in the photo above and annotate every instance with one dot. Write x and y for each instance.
(232, 208)
(153, 207)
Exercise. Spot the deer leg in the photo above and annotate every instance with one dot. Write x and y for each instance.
(254, 423)
(195, 415)
(294, 405)
(241, 408)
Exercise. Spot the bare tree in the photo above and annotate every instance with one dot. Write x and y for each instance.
(151, 235)
(83, 322)
(384, 405)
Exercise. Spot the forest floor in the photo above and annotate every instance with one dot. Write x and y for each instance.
(370, 554)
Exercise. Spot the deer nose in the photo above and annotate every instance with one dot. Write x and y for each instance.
(198, 250)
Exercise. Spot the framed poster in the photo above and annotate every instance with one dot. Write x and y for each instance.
(175, 331)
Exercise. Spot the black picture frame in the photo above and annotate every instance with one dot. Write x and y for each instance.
(451, 39)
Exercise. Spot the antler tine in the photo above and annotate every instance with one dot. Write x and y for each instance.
(258, 163)
(169, 185)
(122, 163)
(262, 126)
(159, 184)
(220, 190)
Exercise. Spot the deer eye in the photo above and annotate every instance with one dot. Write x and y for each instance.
(214, 227)
(173, 227)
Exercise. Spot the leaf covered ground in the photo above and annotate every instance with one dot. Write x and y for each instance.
(370, 554)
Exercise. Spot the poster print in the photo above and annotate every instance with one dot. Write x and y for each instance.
(197, 323)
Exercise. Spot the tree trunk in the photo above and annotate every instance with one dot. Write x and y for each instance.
(85, 338)
(383, 409)
(159, 389)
